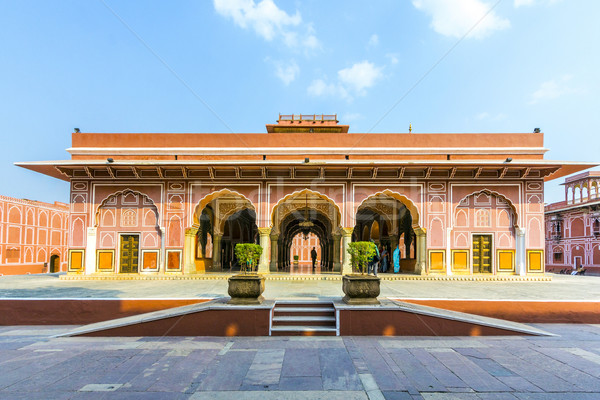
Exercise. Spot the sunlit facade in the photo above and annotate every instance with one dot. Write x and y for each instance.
(177, 204)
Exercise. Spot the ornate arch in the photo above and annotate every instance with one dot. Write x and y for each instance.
(336, 217)
(206, 200)
(146, 200)
(410, 206)
(491, 193)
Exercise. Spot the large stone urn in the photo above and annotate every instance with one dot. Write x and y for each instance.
(361, 289)
(246, 289)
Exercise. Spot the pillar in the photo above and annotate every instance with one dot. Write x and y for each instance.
(520, 253)
(274, 253)
(421, 262)
(189, 251)
(162, 257)
(337, 264)
(263, 263)
(346, 239)
(90, 252)
(448, 251)
(217, 250)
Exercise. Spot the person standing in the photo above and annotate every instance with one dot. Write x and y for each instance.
(313, 257)
(384, 259)
(397, 259)
(375, 260)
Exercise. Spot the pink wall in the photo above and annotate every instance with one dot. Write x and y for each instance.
(30, 233)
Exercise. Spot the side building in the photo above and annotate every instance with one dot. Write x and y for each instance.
(33, 236)
(573, 226)
(177, 204)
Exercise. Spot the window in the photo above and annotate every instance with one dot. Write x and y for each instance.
(482, 218)
(596, 227)
(558, 257)
(557, 230)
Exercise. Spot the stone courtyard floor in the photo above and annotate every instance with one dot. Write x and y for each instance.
(34, 365)
(562, 287)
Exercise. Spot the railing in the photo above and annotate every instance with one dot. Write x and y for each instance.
(307, 117)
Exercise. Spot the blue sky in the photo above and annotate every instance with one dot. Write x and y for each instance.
(222, 66)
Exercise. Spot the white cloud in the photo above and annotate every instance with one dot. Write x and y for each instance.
(269, 21)
(360, 76)
(456, 17)
(553, 89)
(352, 81)
(373, 41)
(287, 72)
(319, 87)
(393, 58)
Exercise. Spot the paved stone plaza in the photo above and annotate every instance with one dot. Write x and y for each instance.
(36, 366)
(562, 287)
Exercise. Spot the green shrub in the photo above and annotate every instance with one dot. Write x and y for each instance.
(248, 255)
(360, 255)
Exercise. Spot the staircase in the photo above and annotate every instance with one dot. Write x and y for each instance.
(303, 318)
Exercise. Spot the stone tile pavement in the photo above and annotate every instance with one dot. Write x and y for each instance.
(34, 365)
(562, 287)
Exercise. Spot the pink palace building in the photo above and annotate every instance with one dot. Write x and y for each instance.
(33, 236)
(177, 204)
(573, 226)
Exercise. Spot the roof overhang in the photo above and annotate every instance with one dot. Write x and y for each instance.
(314, 169)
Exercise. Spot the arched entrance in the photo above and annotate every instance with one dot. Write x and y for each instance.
(390, 222)
(222, 220)
(54, 263)
(485, 226)
(306, 213)
(127, 227)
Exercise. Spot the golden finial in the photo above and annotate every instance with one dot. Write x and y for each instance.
(409, 128)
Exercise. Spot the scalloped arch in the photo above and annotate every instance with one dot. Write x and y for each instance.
(492, 193)
(123, 193)
(299, 193)
(410, 206)
(210, 197)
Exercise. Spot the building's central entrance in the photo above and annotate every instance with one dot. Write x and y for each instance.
(305, 228)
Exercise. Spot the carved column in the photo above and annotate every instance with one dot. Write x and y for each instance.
(263, 263)
(189, 251)
(217, 250)
(162, 259)
(449, 262)
(346, 239)
(274, 253)
(90, 252)
(336, 252)
(421, 262)
(520, 253)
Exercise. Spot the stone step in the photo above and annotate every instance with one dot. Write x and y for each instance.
(304, 310)
(303, 304)
(296, 330)
(304, 320)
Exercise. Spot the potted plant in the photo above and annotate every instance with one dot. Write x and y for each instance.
(247, 286)
(360, 288)
(296, 260)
